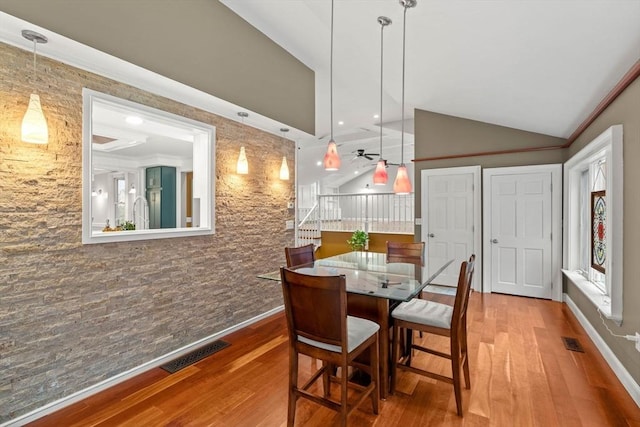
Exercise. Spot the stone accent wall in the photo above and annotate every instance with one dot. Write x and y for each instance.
(72, 315)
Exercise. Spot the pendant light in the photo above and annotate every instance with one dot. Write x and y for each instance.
(380, 176)
(331, 158)
(402, 184)
(34, 125)
(284, 168)
(242, 167)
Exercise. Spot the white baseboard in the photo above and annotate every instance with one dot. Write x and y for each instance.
(110, 382)
(618, 368)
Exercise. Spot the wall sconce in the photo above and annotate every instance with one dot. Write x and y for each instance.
(100, 194)
(132, 190)
(34, 125)
(242, 167)
(284, 168)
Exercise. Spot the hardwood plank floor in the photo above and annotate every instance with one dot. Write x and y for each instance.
(521, 375)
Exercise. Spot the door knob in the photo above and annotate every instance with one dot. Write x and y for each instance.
(494, 241)
(432, 235)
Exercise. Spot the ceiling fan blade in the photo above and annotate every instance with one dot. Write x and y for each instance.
(368, 157)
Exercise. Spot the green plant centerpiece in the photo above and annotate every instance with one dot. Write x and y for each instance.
(128, 225)
(358, 240)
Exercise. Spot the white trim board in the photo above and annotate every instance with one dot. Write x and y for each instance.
(614, 363)
(124, 376)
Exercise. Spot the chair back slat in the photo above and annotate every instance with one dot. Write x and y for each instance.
(463, 291)
(300, 255)
(316, 307)
(409, 252)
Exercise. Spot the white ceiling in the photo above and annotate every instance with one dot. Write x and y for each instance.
(536, 65)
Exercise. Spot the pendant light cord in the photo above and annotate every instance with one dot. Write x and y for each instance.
(404, 32)
(35, 43)
(331, 74)
(381, 80)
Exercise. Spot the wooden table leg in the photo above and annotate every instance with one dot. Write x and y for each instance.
(377, 310)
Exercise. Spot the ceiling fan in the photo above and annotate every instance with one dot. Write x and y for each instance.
(362, 153)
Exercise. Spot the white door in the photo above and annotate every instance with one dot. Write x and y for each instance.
(520, 221)
(451, 216)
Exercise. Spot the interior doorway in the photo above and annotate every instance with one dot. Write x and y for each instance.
(522, 234)
(451, 221)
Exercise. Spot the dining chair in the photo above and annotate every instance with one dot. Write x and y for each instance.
(439, 319)
(330, 335)
(408, 252)
(300, 255)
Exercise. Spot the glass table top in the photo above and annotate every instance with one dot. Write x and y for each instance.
(368, 273)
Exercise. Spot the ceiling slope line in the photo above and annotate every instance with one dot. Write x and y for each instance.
(625, 81)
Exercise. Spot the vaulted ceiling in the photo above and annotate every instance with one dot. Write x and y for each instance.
(540, 66)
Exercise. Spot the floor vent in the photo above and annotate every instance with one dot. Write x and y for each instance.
(194, 356)
(572, 344)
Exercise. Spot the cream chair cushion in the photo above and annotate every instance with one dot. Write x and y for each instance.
(424, 312)
(358, 330)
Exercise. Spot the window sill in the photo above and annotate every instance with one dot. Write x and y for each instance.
(591, 291)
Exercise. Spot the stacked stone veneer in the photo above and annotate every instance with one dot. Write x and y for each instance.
(72, 315)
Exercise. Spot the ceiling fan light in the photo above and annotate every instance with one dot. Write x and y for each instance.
(402, 184)
(380, 176)
(331, 157)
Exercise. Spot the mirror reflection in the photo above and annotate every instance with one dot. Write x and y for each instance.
(150, 172)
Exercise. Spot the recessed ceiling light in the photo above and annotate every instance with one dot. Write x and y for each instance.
(340, 122)
(134, 120)
(355, 173)
(319, 163)
(375, 116)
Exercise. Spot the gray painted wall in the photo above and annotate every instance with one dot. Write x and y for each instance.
(624, 110)
(200, 43)
(442, 135)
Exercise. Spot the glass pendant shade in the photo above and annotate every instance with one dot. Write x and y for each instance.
(402, 184)
(243, 165)
(331, 158)
(34, 125)
(380, 176)
(284, 170)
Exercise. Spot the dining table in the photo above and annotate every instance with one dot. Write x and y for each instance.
(374, 288)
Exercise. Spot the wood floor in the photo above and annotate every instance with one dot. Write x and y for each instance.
(521, 375)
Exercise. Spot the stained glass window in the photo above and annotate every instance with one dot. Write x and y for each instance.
(598, 230)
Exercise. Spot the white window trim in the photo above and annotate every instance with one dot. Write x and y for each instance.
(609, 144)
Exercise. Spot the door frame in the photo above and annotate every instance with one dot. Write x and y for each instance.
(556, 220)
(477, 284)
